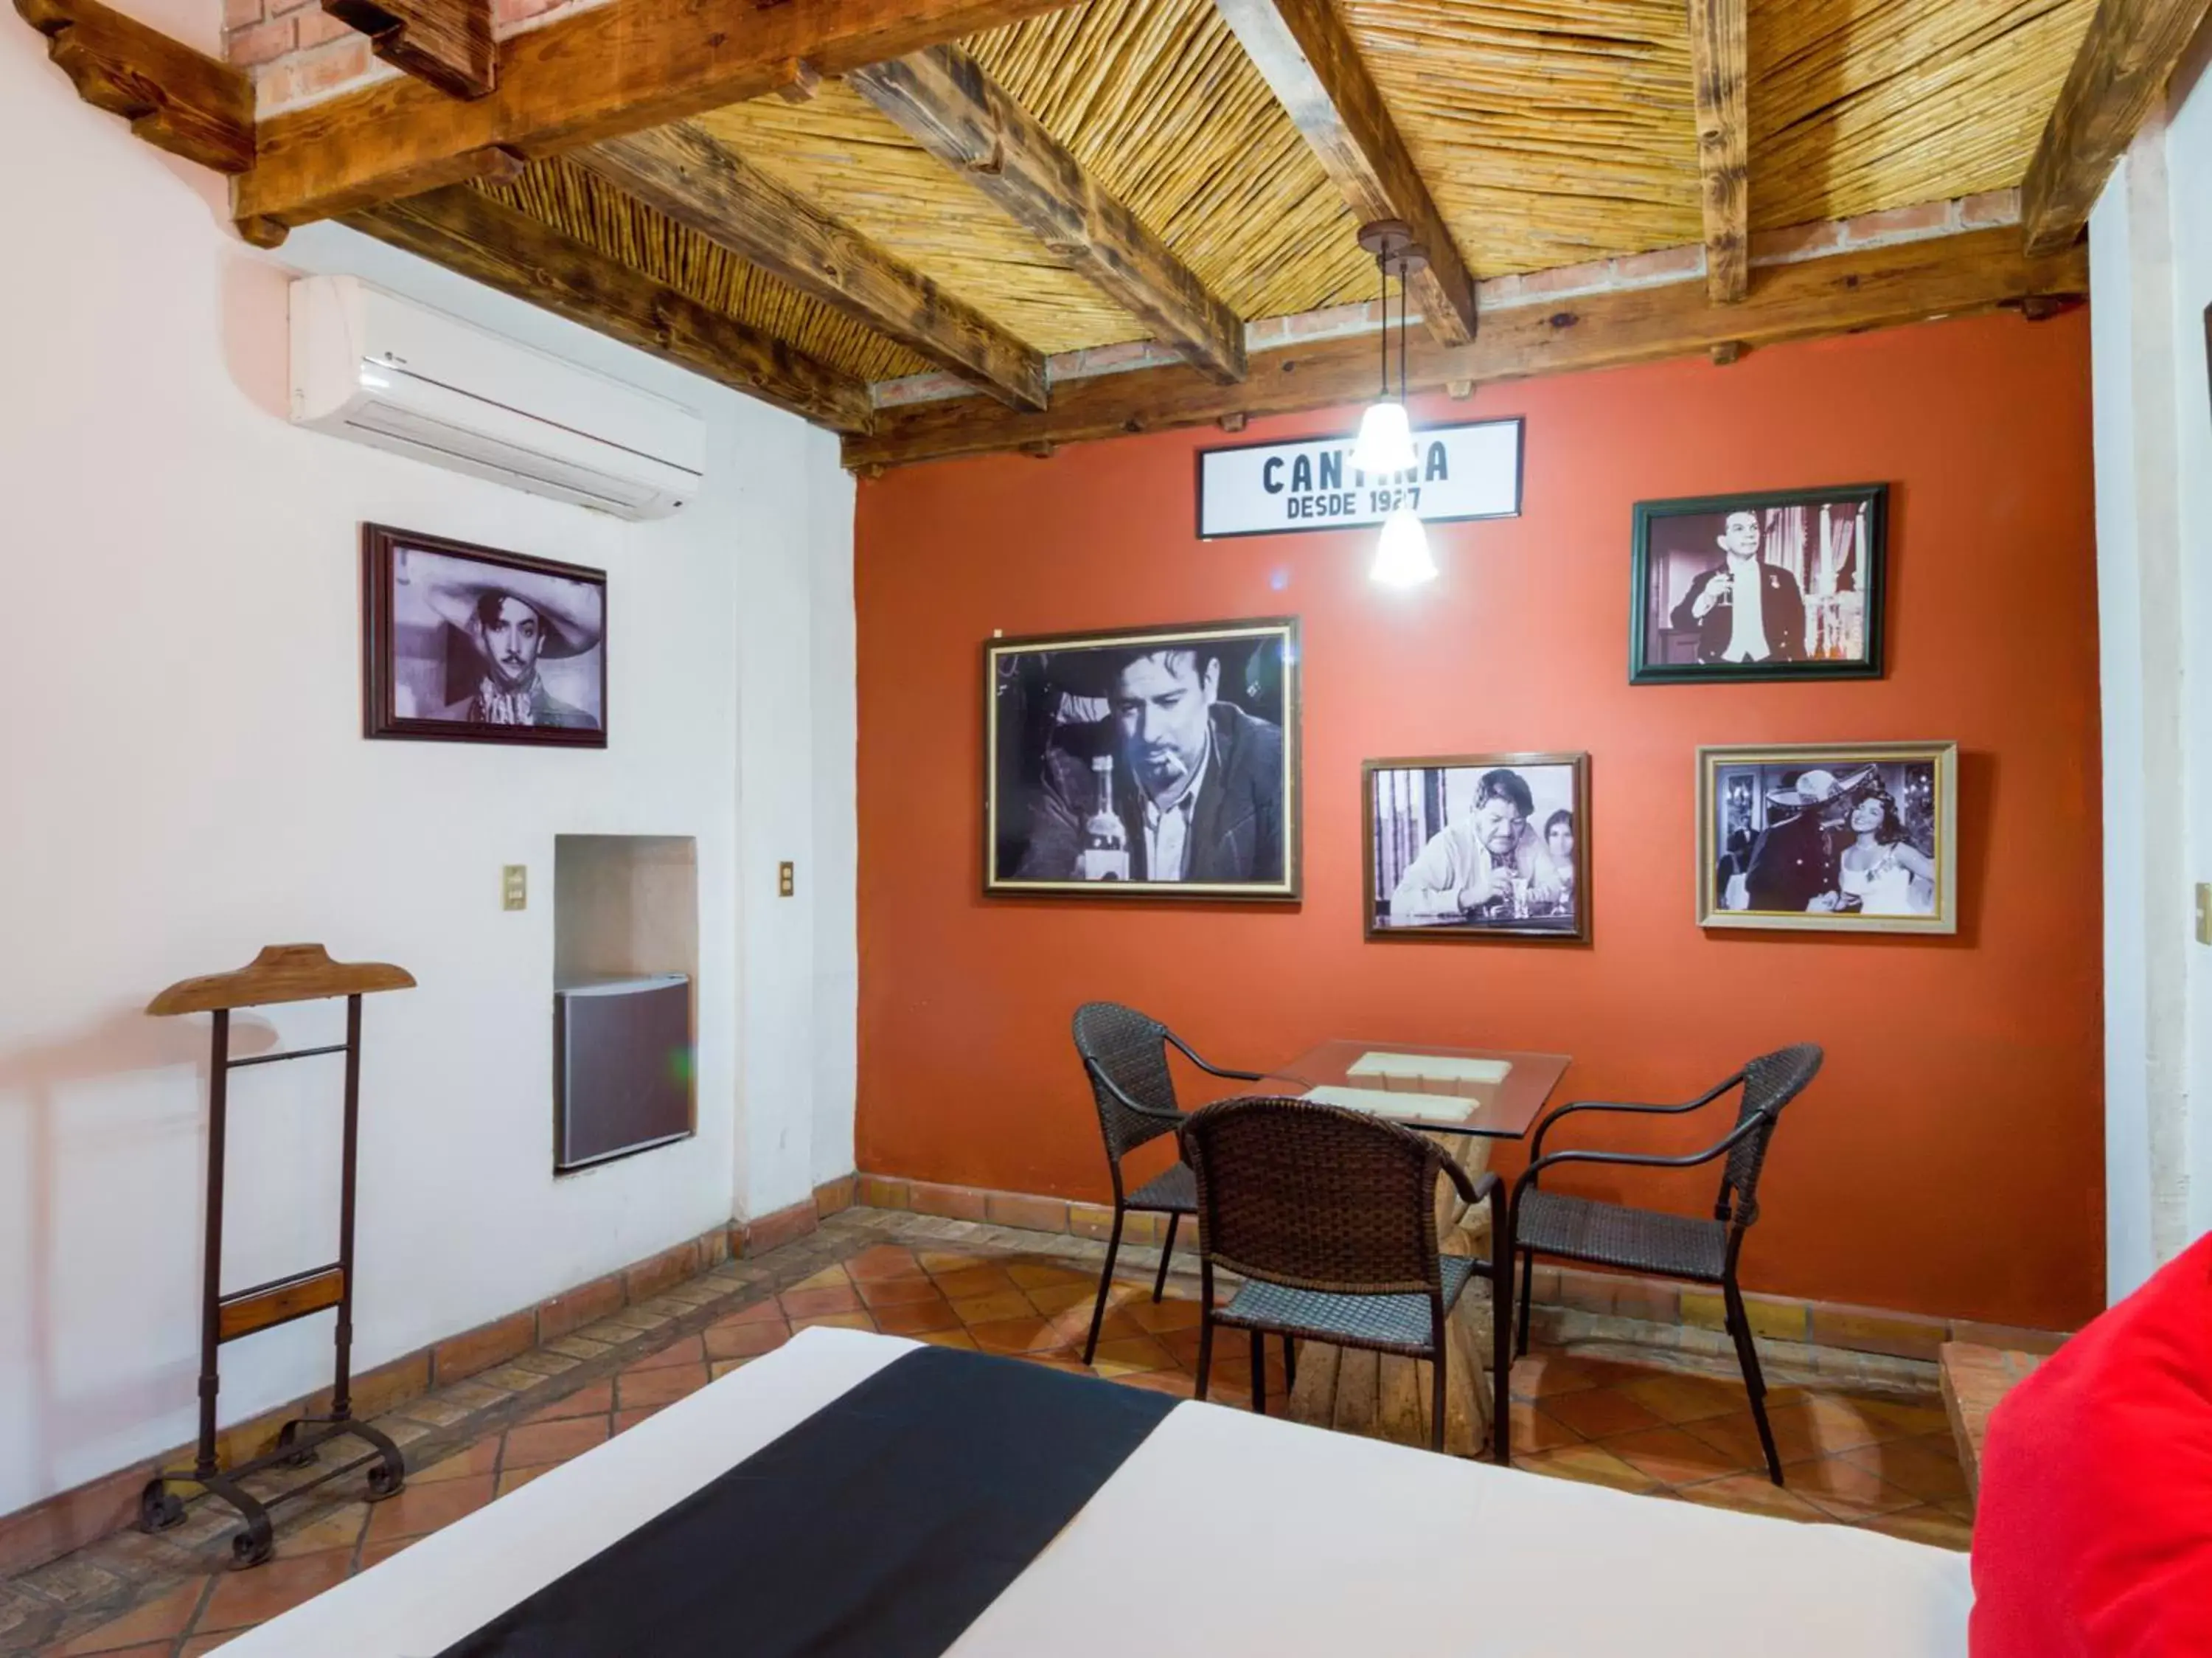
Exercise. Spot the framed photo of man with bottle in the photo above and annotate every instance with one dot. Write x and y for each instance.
(1159, 762)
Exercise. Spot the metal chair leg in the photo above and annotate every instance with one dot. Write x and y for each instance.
(1167, 1250)
(1105, 1283)
(1754, 1383)
(1289, 1362)
(1527, 1293)
(1501, 1358)
(1437, 1401)
(1259, 1374)
(1205, 1349)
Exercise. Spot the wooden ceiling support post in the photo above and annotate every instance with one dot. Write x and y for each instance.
(942, 99)
(1845, 293)
(594, 74)
(1720, 55)
(686, 173)
(446, 44)
(174, 98)
(467, 232)
(1303, 52)
(2126, 61)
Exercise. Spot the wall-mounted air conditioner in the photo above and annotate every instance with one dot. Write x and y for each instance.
(385, 371)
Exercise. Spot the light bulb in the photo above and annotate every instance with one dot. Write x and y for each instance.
(1401, 556)
(1385, 444)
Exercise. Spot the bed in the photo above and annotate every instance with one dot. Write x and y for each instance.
(1219, 1532)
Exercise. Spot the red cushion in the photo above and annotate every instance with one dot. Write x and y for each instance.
(2093, 1534)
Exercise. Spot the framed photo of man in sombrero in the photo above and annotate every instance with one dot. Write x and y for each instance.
(1830, 837)
(464, 643)
(1159, 762)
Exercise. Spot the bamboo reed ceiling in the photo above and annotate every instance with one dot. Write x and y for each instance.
(860, 169)
(582, 205)
(1860, 105)
(1548, 131)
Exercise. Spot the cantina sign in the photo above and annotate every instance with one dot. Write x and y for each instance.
(1471, 471)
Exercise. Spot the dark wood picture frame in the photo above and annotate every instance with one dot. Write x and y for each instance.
(1870, 579)
(380, 717)
(998, 653)
(1543, 930)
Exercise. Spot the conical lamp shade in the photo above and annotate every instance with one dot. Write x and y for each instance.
(1385, 443)
(1401, 556)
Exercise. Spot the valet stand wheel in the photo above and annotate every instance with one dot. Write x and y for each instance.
(282, 972)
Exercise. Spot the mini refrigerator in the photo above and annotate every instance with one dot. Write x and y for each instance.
(622, 1066)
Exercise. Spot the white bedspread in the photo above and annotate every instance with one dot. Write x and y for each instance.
(1224, 1533)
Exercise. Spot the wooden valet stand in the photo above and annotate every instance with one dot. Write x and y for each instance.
(282, 972)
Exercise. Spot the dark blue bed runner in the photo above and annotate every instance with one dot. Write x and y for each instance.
(882, 1525)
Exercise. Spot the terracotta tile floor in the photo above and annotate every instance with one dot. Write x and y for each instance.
(1869, 1462)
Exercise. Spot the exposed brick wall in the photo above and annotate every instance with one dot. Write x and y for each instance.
(1652, 269)
(301, 56)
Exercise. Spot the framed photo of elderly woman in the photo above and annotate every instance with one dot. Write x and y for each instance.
(1784, 585)
(1837, 837)
(464, 643)
(1478, 847)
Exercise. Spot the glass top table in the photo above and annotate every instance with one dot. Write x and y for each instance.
(1485, 1091)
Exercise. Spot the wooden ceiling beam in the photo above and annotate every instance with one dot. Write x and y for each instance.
(174, 98)
(1721, 63)
(1305, 54)
(616, 68)
(942, 99)
(687, 173)
(1880, 287)
(466, 231)
(2120, 71)
(446, 44)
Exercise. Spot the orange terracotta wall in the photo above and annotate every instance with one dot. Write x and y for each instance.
(1948, 1160)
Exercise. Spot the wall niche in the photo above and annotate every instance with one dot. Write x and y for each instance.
(625, 996)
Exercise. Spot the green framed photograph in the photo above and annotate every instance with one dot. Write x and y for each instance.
(1833, 837)
(1782, 585)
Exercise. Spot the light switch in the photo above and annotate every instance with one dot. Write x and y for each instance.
(515, 886)
(2204, 912)
(785, 879)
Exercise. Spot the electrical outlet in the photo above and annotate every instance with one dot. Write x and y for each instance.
(515, 886)
(785, 883)
(2204, 912)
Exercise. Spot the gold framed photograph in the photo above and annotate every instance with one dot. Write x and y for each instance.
(1477, 846)
(1851, 838)
(1159, 762)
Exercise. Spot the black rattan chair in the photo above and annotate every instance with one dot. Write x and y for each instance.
(1672, 1246)
(1330, 1217)
(1125, 1054)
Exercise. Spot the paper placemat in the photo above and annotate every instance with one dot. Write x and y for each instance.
(1430, 1067)
(1387, 1102)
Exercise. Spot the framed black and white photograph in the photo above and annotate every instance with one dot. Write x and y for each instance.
(1478, 847)
(1159, 762)
(464, 643)
(1829, 838)
(1786, 585)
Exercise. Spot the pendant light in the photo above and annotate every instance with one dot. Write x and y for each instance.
(1403, 559)
(1385, 444)
(1384, 447)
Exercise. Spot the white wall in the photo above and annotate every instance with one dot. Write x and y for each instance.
(183, 779)
(2150, 252)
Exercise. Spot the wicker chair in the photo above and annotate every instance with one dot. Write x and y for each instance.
(1125, 1054)
(1330, 1217)
(1672, 1246)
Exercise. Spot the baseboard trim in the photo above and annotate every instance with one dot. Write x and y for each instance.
(1829, 1325)
(52, 1526)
